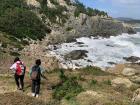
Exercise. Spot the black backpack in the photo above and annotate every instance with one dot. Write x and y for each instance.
(35, 74)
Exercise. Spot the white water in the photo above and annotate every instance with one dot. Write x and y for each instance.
(100, 51)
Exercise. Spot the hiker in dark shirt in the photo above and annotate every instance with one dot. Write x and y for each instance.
(19, 72)
(35, 75)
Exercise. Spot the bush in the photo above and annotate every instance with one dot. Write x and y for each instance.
(14, 54)
(94, 82)
(69, 28)
(68, 89)
(55, 2)
(107, 82)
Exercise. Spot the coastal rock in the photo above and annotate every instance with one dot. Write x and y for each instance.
(76, 54)
(129, 71)
(121, 82)
(132, 59)
(136, 97)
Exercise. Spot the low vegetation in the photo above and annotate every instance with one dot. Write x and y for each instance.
(69, 88)
(80, 8)
(18, 21)
(53, 13)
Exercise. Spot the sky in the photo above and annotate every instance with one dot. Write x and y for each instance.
(116, 8)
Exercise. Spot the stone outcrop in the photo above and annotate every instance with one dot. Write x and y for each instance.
(121, 82)
(129, 71)
(76, 54)
(90, 98)
(136, 79)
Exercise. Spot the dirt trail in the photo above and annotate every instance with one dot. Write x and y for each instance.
(9, 95)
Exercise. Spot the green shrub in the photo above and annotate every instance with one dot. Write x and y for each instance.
(68, 89)
(94, 82)
(107, 82)
(69, 28)
(14, 54)
(55, 2)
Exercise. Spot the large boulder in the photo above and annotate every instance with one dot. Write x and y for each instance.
(76, 54)
(136, 79)
(129, 71)
(136, 97)
(89, 98)
(121, 82)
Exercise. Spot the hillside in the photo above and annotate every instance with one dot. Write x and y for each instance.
(22, 21)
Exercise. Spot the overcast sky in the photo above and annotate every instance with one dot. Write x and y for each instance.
(116, 8)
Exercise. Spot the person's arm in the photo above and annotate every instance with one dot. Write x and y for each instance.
(30, 71)
(13, 67)
(42, 71)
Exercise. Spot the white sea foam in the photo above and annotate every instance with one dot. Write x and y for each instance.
(100, 51)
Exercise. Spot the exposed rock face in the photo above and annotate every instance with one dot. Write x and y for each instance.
(86, 26)
(76, 54)
(129, 71)
(121, 82)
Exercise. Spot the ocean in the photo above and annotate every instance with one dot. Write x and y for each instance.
(101, 51)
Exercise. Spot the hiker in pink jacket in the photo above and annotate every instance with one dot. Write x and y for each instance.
(19, 72)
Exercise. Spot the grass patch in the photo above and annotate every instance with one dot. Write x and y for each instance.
(94, 71)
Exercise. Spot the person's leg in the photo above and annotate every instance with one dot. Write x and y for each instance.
(37, 88)
(33, 87)
(22, 81)
(16, 80)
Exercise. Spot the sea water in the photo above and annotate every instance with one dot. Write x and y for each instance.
(102, 52)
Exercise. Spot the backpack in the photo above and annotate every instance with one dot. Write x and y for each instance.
(20, 68)
(35, 74)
